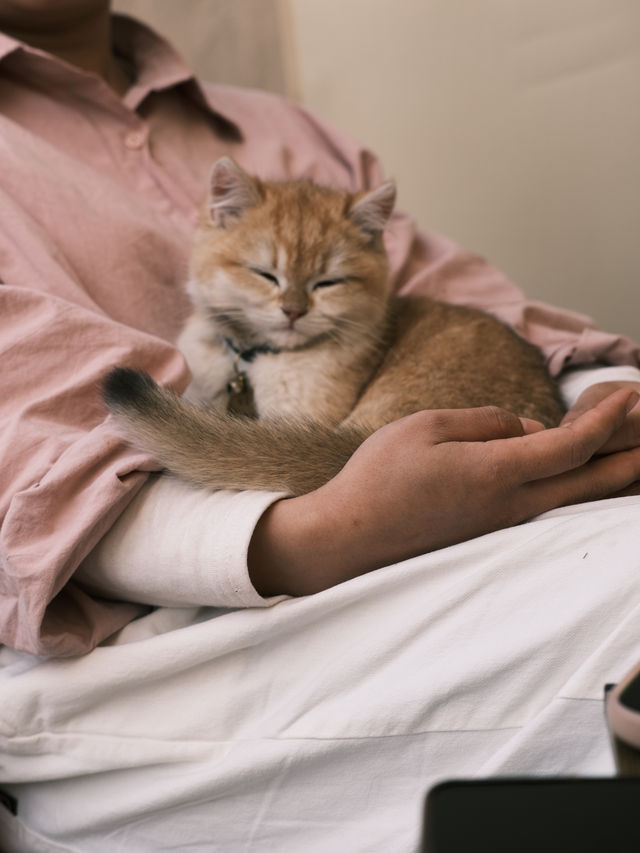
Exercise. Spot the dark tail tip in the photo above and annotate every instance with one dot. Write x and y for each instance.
(126, 388)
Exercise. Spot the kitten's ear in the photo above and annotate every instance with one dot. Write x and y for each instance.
(231, 191)
(372, 210)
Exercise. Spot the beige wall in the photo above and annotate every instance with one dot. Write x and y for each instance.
(512, 125)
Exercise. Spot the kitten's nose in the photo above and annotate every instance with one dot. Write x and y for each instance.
(293, 313)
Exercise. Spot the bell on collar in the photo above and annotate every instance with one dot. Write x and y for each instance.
(238, 384)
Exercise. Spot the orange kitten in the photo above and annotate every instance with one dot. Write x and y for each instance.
(293, 324)
(294, 276)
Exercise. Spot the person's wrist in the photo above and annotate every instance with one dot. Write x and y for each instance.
(283, 549)
(306, 544)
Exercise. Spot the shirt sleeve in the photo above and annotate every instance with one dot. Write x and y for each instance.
(179, 546)
(66, 474)
(574, 382)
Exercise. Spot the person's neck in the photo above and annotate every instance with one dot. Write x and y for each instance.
(85, 43)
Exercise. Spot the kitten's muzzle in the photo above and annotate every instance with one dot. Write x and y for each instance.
(293, 313)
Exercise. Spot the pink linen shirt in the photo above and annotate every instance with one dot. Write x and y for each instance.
(98, 196)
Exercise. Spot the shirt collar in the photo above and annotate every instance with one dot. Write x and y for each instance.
(157, 67)
(8, 45)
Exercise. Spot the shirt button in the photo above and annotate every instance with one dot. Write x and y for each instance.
(136, 139)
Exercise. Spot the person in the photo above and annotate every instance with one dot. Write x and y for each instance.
(107, 139)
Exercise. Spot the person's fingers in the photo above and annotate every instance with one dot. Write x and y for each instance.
(628, 435)
(573, 414)
(626, 438)
(604, 476)
(554, 451)
(628, 491)
(486, 423)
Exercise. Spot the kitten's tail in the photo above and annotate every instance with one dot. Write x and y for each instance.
(219, 451)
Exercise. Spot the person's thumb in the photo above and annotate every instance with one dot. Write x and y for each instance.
(485, 423)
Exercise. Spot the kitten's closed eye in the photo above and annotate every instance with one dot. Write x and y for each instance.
(265, 274)
(329, 282)
(269, 276)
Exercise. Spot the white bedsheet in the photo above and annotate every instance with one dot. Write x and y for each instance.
(319, 724)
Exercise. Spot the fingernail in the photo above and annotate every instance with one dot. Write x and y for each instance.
(530, 426)
(631, 402)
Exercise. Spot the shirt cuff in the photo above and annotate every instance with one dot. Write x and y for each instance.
(179, 546)
(574, 382)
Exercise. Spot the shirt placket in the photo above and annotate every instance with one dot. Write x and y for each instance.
(136, 145)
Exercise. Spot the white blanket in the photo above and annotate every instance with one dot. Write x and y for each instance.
(319, 724)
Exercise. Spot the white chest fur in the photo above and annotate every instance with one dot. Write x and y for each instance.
(320, 382)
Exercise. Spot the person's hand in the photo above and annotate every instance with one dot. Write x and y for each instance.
(628, 435)
(433, 479)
